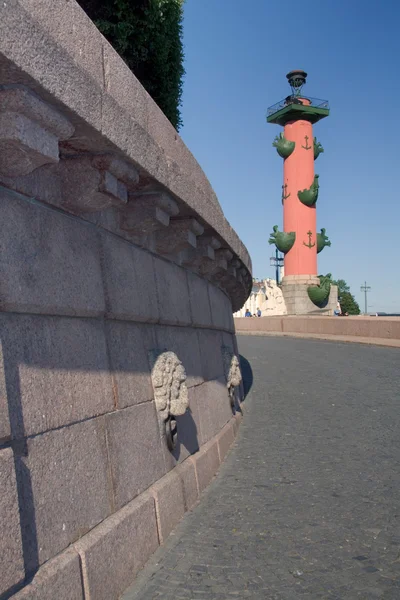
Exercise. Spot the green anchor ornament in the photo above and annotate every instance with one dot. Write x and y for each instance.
(283, 146)
(284, 194)
(309, 245)
(309, 196)
(318, 149)
(319, 294)
(283, 240)
(307, 147)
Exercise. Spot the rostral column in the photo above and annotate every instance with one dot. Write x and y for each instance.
(299, 240)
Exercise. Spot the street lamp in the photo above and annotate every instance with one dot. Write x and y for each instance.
(277, 262)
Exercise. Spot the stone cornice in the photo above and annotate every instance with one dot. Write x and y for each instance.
(79, 130)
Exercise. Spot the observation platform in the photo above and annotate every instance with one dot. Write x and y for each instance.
(294, 109)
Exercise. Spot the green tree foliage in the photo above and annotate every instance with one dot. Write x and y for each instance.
(347, 301)
(342, 286)
(348, 304)
(147, 34)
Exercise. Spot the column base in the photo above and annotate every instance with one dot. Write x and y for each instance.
(294, 289)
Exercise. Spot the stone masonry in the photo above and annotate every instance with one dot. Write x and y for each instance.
(114, 249)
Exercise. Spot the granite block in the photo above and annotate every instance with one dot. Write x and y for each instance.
(221, 309)
(195, 409)
(170, 503)
(225, 439)
(60, 61)
(184, 342)
(29, 132)
(94, 184)
(132, 139)
(199, 405)
(11, 555)
(49, 263)
(211, 354)
(180, 235)
(187, 472)
(162, 131)
(189, 437)
(236, 422)
(228, 339)
(123, 86)
(56, 369)
(129, 281)
(207, 463)
(199, 301)
(135, 450)
(116, 550)
(220, 401)
(128, 346)
(59, 578)
(173, 293)
(52, 64)
(213, 406)
(64, 486)
(67, 23)
(5, 430)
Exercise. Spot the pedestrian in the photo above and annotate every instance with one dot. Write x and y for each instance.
(258, 312)
(338, 311)
(247, 313)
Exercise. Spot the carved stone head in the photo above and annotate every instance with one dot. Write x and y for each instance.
(233, 373)
(170, 391)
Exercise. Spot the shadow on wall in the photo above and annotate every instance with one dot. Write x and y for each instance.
(187, 435)
(247, 375)
(73, 355)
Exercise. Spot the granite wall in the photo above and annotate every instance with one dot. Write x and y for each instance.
(113, 247)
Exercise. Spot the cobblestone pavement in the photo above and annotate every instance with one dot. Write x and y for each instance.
(307, 504)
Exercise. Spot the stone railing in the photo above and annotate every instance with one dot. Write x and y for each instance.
(373, 330)
(119, 274)
(71, 107)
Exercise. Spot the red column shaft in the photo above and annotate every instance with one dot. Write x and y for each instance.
(298, 174)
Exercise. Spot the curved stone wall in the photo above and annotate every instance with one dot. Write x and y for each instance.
(119, 274)
(79, 96)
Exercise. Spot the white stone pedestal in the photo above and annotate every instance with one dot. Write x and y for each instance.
(294, 289)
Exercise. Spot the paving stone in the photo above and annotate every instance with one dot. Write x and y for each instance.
(59, 578)
(304, 504)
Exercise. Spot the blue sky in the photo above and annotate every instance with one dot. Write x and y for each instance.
(237, 56)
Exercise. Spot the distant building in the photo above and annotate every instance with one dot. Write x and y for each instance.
(265, 295)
